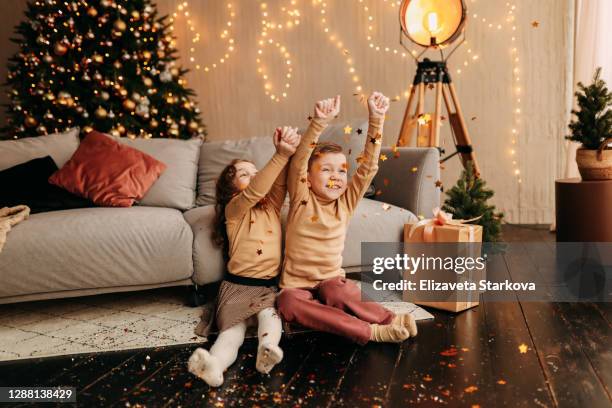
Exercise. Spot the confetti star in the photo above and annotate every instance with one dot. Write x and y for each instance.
(430, 86)
(535, 24)
(471, 389)
(270, 231)
(310, 118)
(303, 180)
(474, 117)
(350, 151)
(414, 169)
(259, 252)
(313, 145)
(383, 157)
(359, 131)
(501, 382)
(252, 222)
(303, 202)
(330, 183)
(314, 218)
(347, 130)
(423, 118)
(438, 183)
(386, 207)
(523, 348)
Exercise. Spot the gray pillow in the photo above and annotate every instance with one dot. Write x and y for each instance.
(176, 187)
(60, 146)
(214, 156)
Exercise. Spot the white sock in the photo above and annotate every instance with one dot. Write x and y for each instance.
(210, 366)
(269, 332)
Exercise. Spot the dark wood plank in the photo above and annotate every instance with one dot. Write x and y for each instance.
(366, 382)
(571, 378)
(314, 384)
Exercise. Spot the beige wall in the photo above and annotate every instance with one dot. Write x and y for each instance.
(234, 104)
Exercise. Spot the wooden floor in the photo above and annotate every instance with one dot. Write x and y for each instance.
(497, 354)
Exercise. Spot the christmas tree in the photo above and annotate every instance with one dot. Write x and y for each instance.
(108, 65)
(593, 122)
(468, 199)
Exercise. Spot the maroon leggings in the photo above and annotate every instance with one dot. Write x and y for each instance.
(326, 308)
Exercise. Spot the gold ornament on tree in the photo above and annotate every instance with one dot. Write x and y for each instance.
(129, 105)
(92, 12)
(60, 49)
(30, 121)
(101, 113)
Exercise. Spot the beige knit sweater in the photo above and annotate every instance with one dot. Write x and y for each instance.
(254, 231)
(316, 229)
(10, 216)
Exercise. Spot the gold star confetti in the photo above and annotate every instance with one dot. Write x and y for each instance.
(310, 118)
(330, 183)
(359, 131)
(523, 348)
(438, 183)
(259, 252)
(303, 202)
(383, 157)
(347, 130)
(360, 159)
(430, 86)
(501, 382)
(471, 389)
(386, 207)
(314, 218)
(535, 23)
(414, 169)
(423, 118)
(303, 180)
(376, 139)
(420, 217)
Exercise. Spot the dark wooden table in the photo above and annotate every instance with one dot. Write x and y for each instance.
(584, 210)
(513, 354)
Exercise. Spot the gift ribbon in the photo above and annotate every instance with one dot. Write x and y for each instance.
(440, 218)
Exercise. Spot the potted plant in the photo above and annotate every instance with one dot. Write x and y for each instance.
(593, 129)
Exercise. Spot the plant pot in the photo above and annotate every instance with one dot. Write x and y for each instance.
(595, 164)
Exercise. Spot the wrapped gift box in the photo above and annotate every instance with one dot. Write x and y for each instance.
(430, 231)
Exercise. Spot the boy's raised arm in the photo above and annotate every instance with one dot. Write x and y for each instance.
(325, 111)
(368, 162)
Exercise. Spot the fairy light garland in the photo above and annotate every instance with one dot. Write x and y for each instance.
(225, 35)
(266, 38)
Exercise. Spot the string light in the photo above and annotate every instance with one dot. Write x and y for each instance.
(225, 35)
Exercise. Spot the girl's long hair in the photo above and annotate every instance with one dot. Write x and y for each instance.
(225, 191)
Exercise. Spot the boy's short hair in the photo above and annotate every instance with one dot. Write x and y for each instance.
(323, 148)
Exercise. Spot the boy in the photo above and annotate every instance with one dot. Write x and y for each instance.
(315, 292)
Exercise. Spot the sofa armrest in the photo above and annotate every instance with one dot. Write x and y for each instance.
(411, 176)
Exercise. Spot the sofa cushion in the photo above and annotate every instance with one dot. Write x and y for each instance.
(60, 146)
(208, 264)
(214, 156)
(371, 223)
(176, 187)
(28, 184)
(95, 248)
(107, 172)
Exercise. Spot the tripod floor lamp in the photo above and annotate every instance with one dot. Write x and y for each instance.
(434, 24)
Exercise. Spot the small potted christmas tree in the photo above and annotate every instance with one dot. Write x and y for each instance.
(593, 129)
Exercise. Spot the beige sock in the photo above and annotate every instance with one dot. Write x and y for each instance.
(388, 333)
(406, 320)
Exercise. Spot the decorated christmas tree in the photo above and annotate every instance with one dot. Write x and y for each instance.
(468, 199)
(108, 65)
(593, 123)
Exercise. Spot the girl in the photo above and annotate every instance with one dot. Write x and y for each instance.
(247, 226)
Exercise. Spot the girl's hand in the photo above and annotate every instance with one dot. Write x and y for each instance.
(378, 104)
(286, 140)
(327, 108)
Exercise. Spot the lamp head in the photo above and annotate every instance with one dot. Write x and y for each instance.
(432, 23)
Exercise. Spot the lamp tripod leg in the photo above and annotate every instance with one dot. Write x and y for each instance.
(407, 129)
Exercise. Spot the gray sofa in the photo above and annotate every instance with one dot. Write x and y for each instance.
(165, 239)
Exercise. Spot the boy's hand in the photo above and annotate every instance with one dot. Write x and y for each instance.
(378, 104)
(286, 140)
(327, 108)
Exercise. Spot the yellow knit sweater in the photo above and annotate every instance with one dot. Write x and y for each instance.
(316, 228)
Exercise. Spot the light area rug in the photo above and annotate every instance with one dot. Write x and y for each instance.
(112, 322)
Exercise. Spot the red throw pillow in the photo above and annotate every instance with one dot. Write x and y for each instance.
(108, 172)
